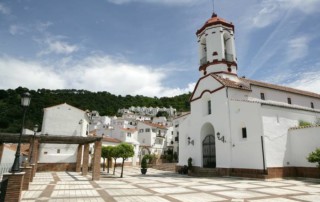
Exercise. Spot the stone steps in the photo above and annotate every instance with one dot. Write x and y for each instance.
(204, 172)
(165, 167)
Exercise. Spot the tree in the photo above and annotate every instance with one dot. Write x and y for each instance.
(115, 156)
(314, 157)
(125, 151)
(106, 154)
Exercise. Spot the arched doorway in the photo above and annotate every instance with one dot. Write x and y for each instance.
(208, 146)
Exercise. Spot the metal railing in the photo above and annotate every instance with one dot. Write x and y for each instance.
(203, 60)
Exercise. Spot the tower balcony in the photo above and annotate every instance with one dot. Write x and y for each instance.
(203, 60)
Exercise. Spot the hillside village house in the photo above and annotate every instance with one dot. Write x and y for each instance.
(154, 138)
(61, 120)
(244, 127)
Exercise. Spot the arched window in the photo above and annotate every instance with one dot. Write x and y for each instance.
(203, 51)
(227, 42)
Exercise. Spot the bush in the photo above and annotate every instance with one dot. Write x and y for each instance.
(314, 157)
(175, 156)
(304, 123)
(144, 162)
(190, 163)
(169, 158)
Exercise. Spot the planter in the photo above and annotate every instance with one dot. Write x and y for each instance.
(143, 171)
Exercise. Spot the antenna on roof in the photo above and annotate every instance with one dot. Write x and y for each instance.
(212, 5)
(213, 13)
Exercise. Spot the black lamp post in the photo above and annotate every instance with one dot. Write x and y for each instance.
(35, 130)
(25, 102)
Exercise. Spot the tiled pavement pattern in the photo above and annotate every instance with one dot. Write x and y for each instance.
(163, 186)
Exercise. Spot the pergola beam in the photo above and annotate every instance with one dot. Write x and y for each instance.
(51, 139)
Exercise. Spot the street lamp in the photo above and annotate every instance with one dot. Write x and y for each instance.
(25, 102)
(35, 130)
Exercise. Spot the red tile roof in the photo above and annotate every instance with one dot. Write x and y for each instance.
(111, 139)
(245, 84)
(155, 125)
(214, 20)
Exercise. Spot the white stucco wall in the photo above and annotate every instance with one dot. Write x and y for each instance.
(246, 152)
(62, 120)
(276, 122)
(302, 142)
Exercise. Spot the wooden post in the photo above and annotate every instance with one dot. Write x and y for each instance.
(85, 159)
(96, 160)
(1, 150)
(79, 158)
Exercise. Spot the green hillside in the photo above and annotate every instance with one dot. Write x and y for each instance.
(105, 103)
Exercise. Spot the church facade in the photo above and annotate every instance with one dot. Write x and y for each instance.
(244, 127)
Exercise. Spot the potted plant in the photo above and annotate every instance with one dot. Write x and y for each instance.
(190, 164)
(144, 165)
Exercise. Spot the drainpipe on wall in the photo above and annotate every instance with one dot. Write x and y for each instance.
(231, 144)
(263, 160)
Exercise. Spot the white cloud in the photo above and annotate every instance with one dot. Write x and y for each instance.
(297, 48)
(309, 81)
(271, 11)
(95, 73)
(43, 26)
(4, 10)
(17, 29)
(15, 73)
(166, 2)
(57, 46)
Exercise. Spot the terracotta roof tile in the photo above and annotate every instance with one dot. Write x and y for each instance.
(111, 139)
(245, 84)
(281, 88)
(155, 125)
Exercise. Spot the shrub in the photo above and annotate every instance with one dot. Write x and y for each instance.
(314, 157)
(190, 163)
(304, 123)
(144, 162)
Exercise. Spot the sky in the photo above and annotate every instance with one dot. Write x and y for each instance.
(149, 47)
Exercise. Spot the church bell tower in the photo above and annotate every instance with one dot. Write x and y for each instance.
(217, 52)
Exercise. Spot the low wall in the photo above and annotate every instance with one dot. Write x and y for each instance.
(41, 167)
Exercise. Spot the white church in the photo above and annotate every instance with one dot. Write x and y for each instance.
(243, 127)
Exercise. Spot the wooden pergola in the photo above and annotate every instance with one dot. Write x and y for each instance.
(82, 142)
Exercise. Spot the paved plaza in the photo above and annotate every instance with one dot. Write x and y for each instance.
(163, 186)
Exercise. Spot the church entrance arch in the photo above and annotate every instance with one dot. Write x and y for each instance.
(208, 146)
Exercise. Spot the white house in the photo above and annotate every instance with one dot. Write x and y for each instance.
(62, 120)
(152, 138)
(240, 126)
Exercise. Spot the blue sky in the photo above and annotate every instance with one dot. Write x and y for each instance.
(149, 47)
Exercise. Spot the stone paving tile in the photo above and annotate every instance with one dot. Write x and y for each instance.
(210, 188)
(172, 190)
(277, 191)
(271, 184)
(305, 189)
(78, 200)
(153, 185)
(31, 194)
(273, 200)
(243, 185)
(140, 199)
(312, 198)
(73, 193)
(117, 186)
(201, 197)
(164, 186)
(239, 194)
(73, 186)
(125, 192)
